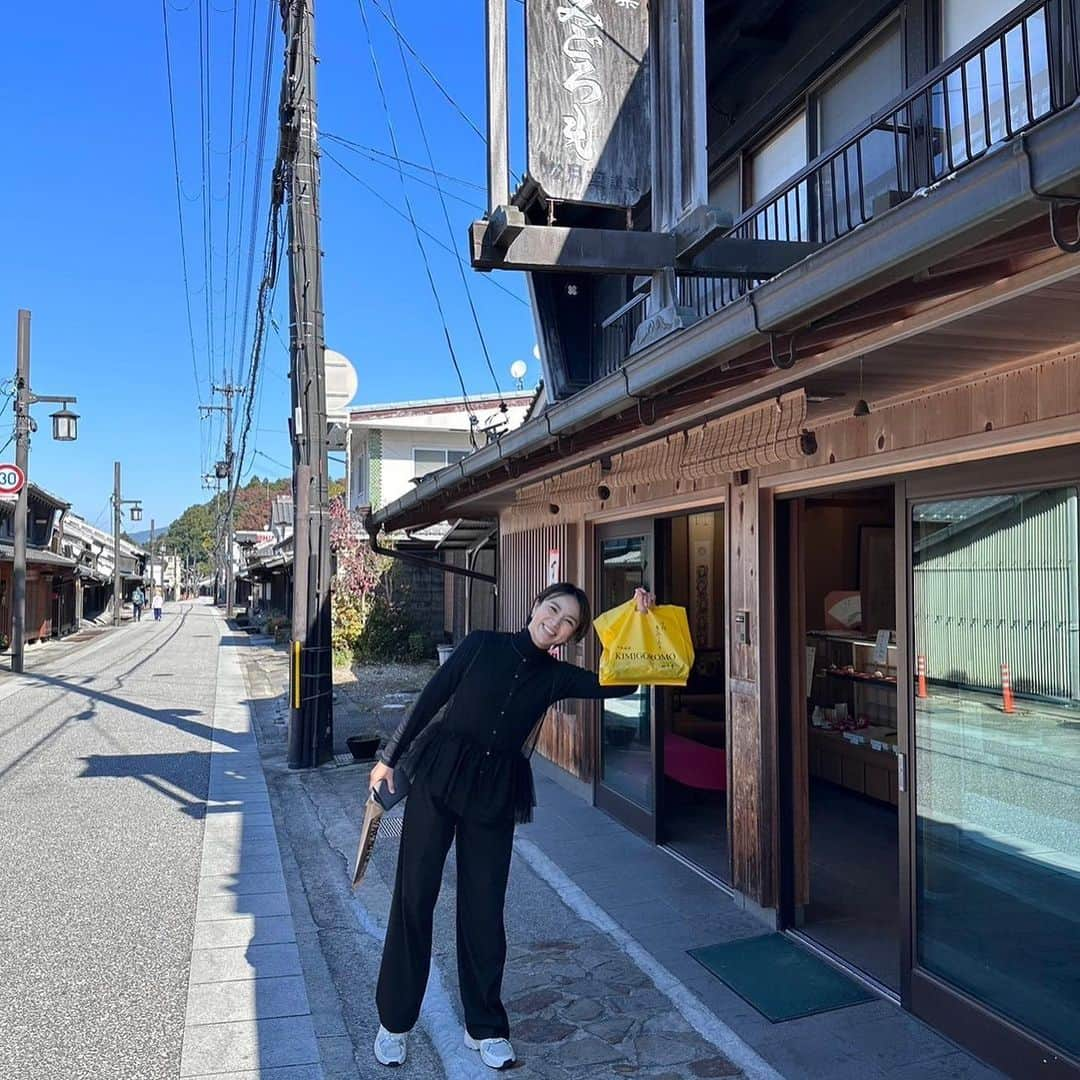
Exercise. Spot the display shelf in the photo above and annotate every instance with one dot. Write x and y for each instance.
(858, 676)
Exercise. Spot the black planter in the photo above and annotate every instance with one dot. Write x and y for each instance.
(362, 747)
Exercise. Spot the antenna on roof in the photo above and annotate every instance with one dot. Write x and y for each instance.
(517, 372)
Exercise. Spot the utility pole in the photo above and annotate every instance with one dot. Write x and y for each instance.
(118, 511)
(224, 471)
(65, 429)
(311, 720)
(152, 581)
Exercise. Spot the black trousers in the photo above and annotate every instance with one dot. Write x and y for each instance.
(483, 865)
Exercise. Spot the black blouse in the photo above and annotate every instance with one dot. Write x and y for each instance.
(500, 687)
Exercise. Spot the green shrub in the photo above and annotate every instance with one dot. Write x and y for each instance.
(419, 646)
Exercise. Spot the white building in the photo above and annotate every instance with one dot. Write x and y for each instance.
(391, 445)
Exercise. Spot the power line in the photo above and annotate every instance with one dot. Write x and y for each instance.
(205, 104)
(227, 358)
(412, 216)
(427, 71)
(415, 179)
(179, 201)
(264, 112)
(374, 150)
(249, 80)
(446, 214)
(401, 213)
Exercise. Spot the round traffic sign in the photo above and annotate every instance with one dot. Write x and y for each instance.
(12, 479)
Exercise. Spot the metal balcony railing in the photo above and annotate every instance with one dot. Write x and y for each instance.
(1020, 71)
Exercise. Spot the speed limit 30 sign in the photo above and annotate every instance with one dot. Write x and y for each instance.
(12, 479)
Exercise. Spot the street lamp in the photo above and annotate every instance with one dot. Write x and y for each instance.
(118, 510)
(65, 429)
(65, 424)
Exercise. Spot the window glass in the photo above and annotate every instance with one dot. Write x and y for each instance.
(425, 461)
(875, 164)
(1003, 88)
(784, 218)
(863, 84)
(996, 603)
(964, 20)
(782, 156)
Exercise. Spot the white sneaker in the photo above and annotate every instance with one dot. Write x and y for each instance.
(494, 1053)
(390, 1048)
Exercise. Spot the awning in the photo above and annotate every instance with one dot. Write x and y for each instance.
(464, 534)
(36, 557)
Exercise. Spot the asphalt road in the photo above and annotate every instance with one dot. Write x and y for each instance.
(104, 757)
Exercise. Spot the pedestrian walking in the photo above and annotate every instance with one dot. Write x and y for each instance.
(138, 602)
(471, 783)
(157, 604)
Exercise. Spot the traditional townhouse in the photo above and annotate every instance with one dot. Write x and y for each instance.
(807, 294)
(94, 551)
(50, 575)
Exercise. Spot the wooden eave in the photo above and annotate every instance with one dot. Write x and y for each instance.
(977, 240)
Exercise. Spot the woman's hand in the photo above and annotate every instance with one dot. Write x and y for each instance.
(379, 773)
(644, 600)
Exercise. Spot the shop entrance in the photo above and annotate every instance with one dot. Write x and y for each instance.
(840, 607)
(693, 774)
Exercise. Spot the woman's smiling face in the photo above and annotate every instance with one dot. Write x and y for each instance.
(554, 621)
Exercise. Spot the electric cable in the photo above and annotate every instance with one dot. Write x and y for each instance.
(446, 217)
(360, 148)
(401, 213)
(179, 201)
(264, 112)
(412, 218)
(227, 357)
(415, 179)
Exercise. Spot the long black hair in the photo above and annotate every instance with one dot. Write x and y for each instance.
(565, 588)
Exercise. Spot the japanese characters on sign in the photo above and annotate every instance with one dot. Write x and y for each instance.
(588, 115)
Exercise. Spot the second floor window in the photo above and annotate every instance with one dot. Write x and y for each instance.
(1004, 87)
(426, 461)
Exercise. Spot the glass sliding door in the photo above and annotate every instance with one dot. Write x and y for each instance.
(995, 600)
(626, 781)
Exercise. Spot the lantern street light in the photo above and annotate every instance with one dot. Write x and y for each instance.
(136, 515)
(65, 424)
(64, 429)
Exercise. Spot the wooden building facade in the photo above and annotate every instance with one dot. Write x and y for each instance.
(859, 471)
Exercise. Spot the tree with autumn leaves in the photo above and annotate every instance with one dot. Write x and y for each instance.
(359, 576)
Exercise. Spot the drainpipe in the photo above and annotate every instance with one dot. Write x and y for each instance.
(471, 555)
(423, 560)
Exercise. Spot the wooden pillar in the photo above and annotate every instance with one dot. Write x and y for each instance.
(751, 708)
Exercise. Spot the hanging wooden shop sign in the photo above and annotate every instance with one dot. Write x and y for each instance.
(588, 99)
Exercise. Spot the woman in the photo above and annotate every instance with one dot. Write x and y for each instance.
(471, 780)
(157, 604)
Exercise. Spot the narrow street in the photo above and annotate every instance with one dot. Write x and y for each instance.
(104, 765)
(178, 904)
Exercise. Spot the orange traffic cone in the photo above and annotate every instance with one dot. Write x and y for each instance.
(921, 666)
(1007, 703)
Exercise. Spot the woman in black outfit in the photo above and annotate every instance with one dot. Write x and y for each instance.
(471, 780)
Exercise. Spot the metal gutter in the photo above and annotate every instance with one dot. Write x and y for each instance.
(422, 560)
(1000, 189)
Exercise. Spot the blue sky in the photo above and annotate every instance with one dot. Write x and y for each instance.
(92, 242)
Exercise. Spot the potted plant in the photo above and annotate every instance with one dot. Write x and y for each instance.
(363, 747)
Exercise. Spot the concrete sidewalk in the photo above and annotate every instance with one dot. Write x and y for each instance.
(598, 983)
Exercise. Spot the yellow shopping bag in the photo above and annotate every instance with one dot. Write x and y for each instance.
(650, 649)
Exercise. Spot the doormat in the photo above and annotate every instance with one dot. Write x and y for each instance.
(782, 980)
